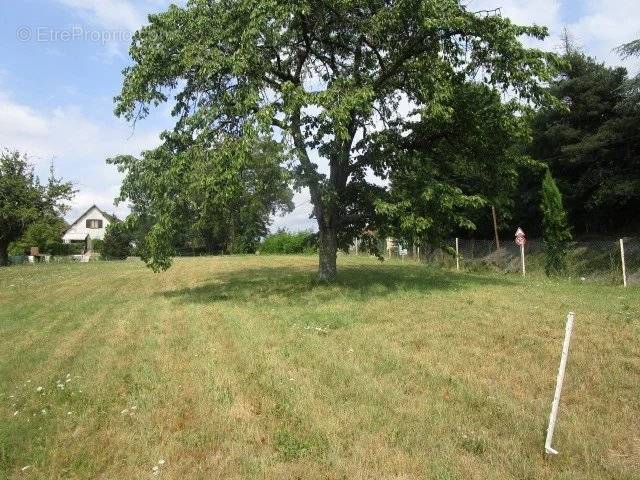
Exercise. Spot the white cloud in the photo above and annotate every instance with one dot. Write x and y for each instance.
(601, 28)
(85, 198)
(299, 218)
(114, 14)
(607, 25)
(523, 12)
(18, 120)
(116, 20)
(77, 145)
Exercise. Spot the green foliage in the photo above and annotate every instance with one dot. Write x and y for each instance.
(632, 86)
(448, 167)
(74, 248)
(323, 80)
(117, 242)
(289, 446)
(287, 243)
(27, 206)
(556, 232)
(97, 245)
(589, 139)
(45, 233)
(219, 198)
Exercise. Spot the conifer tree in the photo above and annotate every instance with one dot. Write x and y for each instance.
(556, 231)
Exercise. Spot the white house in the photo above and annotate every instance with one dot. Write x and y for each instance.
(91, 225)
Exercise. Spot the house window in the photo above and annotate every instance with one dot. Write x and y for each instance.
(94, 223)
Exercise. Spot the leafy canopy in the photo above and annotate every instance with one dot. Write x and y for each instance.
(222, 197)
(446, 169)
(117, 242)
(324, 79)
(24, 200)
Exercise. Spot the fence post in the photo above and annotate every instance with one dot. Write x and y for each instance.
(624, 268)
(457, 255)
(524, 271)
(495, 226)
(556, 397)
(356, 246)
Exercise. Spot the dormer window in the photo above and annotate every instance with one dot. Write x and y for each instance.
(94, 224)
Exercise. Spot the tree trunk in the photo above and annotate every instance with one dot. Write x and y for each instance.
(328, 250)
(4, 255)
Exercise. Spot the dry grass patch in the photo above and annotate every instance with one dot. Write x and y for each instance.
(243, 367)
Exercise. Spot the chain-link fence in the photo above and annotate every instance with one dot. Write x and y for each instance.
(587, 260)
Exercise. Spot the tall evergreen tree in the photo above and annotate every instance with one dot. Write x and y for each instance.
(632, 88)
(591, 144)
(556, 231)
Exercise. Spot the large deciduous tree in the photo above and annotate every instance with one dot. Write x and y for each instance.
(324, 78)
(446, 170)
(221, 197)
(24, 200)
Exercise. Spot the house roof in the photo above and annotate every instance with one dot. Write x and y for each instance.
(75, 236)
(111, 218)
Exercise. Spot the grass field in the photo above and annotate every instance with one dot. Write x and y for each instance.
(242, 367)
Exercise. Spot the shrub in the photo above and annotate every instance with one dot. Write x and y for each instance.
(117, 242)
(97, 245)
(286, 243)
(555, 228)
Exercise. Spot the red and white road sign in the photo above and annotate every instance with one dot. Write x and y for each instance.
(521, 239)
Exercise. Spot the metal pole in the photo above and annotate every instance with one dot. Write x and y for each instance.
(524, 271)
(624, 268)
(457, 255)
(559, 380)
(356, 246)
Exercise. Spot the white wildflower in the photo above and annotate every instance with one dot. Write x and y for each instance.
(161, 462)
(39, 389)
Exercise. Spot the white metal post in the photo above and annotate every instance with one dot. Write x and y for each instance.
(556, 397)
(624, 268)
(524, 271)
(457, 255)
(356, 246)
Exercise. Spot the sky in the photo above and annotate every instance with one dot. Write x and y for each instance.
(61, 64)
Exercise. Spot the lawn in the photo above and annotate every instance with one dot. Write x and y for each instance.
(243, 367)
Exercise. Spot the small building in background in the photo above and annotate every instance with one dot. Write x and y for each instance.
(91, 225)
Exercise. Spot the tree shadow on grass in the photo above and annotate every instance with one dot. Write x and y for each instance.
(354, 282)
